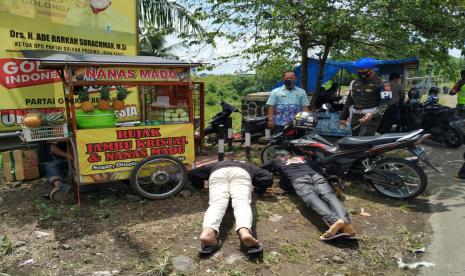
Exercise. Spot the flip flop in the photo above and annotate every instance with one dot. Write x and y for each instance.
(254, 250)
(206, 250)
(351, 237)
(333, 237)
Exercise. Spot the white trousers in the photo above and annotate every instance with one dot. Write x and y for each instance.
(225, 183)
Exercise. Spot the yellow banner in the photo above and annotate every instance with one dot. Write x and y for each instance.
(84, 26)
(119, 149)
(131, 74)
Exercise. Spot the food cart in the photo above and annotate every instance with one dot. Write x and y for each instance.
(154, 149)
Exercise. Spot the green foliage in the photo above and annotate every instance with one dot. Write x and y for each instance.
(154, 44)
(168, 15)
(46, 211)
(210, 101)
(216, 88)
(6, 245)
(273, 30)
(270, 71)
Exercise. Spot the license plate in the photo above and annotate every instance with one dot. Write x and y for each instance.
(420, 151)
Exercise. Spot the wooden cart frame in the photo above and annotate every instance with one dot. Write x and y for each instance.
(67, 64)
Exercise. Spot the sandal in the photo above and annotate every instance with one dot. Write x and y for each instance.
(252, 251)
(328, 236)
(206, 250)
(352, 236)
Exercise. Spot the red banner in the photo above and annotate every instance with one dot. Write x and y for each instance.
(15, 73)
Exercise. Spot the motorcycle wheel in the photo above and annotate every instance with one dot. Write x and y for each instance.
(269, 152)
(453, 138)
(414, 179)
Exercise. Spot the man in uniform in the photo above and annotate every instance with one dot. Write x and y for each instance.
(367, 100)
(285, 102)
(459, 89)
(392, 114)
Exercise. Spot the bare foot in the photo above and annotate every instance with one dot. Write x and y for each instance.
(247, 238)
(208, 237)
(349, 229)
(333, 228)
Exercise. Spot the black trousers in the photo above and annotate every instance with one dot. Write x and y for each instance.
(390, 117)
(368, 129)
(317, 194)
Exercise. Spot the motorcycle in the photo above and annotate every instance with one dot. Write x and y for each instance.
(364, 157)
(256, 126)
(220, 118)
(440, 121)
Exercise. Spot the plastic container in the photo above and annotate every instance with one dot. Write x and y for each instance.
(95, 119)
(41, 133)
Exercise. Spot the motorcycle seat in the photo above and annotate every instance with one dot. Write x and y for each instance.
(368, 141)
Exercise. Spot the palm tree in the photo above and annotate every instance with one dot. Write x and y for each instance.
(154, 44)
(167, 15)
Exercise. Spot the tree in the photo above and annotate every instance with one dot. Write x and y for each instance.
(154, 44)
(272, 28)
(167, 15)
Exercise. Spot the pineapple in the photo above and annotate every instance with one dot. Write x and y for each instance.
(83, 98)
(33, 119)
(53, 119)
(104, 102)
(121, 95)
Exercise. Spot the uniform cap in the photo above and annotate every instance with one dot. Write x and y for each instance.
(365, 63)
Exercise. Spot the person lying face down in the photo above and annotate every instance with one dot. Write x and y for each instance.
(235, 180)
(313, 189)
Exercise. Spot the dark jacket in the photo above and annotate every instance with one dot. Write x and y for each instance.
(366, 94)
(398, 93)
(289, 172)
(261, 179)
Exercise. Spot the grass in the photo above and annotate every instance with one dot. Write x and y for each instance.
(105, 207)
(161, 266)
(291, 252)
(6, 246)
(403, 206)
(46, 211)
(211, 110)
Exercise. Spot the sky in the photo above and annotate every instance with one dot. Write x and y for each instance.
(209, 54)
(212, 55)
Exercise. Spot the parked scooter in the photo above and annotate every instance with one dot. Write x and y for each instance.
(221, 118)
(438, 120)
(363, 157)
(256, 126)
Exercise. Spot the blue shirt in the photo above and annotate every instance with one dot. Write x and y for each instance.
(287, 103)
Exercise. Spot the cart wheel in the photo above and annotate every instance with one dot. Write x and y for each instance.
(63, 194)
(158, 177)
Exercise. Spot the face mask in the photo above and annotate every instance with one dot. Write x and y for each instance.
(289, 83)
(363, 75)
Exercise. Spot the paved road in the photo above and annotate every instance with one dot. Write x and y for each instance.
(447, 220)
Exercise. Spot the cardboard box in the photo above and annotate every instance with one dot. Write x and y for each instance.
(20, 165)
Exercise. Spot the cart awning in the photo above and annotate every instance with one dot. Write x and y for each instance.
(58, 60)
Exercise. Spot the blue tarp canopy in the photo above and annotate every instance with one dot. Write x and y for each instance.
(332, 68)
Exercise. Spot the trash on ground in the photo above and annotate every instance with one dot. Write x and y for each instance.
(419, 250)
(363, 213)
(27, 262)
(415, 265)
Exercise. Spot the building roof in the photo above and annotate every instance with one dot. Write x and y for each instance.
(57, 60)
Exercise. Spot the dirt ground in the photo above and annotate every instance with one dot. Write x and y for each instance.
(113, 233)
